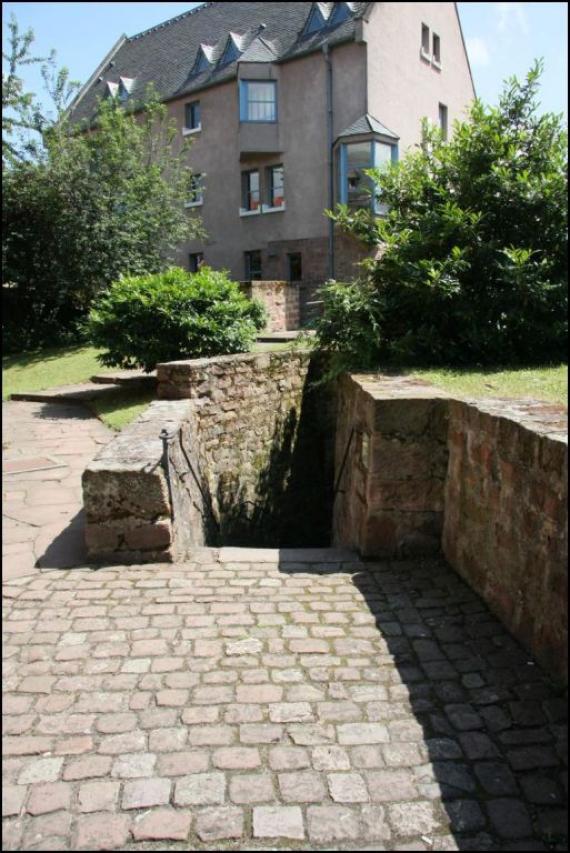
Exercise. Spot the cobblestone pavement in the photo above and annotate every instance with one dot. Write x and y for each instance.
(41, 506)
(265, 705)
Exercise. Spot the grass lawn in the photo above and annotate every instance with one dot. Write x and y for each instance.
(541, 383)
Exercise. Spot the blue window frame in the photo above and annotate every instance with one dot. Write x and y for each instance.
(356, 188)
(258, 100)
(192, 119)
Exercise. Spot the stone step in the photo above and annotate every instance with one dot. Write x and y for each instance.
(126, 377)
(66, 393)
(286, 555)
(282, 337)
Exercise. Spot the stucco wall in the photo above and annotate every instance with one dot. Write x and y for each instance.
(402, 88)
(218, 152)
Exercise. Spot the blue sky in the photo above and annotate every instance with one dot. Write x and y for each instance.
(502, 39)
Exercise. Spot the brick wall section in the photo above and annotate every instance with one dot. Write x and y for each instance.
(506, 527)
(281, 300)
(390, 498)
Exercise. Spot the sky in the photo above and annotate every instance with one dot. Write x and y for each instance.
(502, 39)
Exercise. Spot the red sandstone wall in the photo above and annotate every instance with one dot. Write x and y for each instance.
(281, 300)
(506, 526)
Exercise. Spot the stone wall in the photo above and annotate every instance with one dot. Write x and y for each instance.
(261, 445)
(281, 300)
(486, 480)
(137, 508)
(506, 526)
(390, 475)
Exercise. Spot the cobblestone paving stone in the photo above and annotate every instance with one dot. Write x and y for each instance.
(219, 705)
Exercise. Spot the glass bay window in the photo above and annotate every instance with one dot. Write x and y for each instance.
(357, 189)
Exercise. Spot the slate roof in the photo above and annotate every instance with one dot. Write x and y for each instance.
(367, 124)
(166, 54)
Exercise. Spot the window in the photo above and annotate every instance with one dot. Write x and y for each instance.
(251, 194)
(196, 191)
(192, 118)
(315, 22)
(253, 265)
(356, 188)
(195, 260)
(295, 266)
(201, 64)
(443, 120)
(340, 13)
(276, 195)
(436, 50)
(258, 100)
(425, 40)
(230, 53)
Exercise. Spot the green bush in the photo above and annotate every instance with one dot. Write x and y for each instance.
(143, 320)
(472, 267)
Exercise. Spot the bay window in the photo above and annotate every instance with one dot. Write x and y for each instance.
(357, 188)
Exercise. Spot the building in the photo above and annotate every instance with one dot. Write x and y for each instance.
(286, 103)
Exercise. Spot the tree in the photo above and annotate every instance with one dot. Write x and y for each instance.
(23, 121)
(100, 204)
(472, 266)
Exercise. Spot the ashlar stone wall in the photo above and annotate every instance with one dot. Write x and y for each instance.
(281, 300)
(137, 508)
(390, 466)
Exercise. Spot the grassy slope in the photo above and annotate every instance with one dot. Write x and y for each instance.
(541, 383)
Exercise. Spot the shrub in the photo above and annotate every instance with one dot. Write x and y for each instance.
(143, 320)
(473, 260)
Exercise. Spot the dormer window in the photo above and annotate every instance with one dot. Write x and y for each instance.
(230, 54)
(126, 85)
(202, 62)
(315, 22)
(340, 14)
(111, 90)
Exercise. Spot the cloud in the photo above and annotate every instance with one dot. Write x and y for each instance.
(511, 16)
(477, 51)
